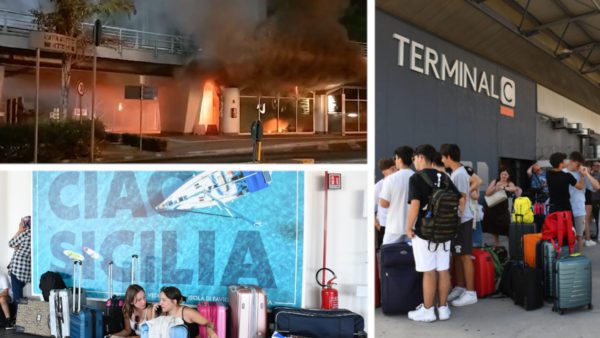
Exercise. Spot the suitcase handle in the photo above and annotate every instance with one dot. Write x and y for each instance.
(110, 277)
(134, 268)
(77, 277)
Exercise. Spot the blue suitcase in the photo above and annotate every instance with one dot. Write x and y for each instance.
(318, 323)
(178, 331)
(573, 283)
(84, 323)
(401, 284)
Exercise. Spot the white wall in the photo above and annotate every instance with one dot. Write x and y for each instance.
(347, 251)
(555, 105)
(15, 202)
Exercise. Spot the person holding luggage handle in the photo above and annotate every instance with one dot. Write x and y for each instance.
(171, 301)
(136, 311)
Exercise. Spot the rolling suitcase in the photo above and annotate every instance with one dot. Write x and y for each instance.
(216, 313)
(484, 273)
(60, 307)
(33, 318)
(248, 305)
(85, 323)
(377, 284)
(318, 323)
(546, 260)
(401, 284)
(515, 239)
(527, 286)
(113, 320)
(177, 331)
(530, 248)
(573, 283)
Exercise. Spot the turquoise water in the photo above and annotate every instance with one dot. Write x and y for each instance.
(201, 253)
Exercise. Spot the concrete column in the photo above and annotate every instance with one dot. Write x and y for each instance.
(230, 121)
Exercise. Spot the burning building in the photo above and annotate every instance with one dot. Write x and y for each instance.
(213, 68)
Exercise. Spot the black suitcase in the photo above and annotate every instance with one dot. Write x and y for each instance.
(317, 323)
(527, 286)
(515, 239)
(401, 284)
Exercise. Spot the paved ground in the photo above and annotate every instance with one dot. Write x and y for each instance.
(238, 149)
(501, 318)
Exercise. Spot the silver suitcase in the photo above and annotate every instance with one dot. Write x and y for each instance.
(60, 305)
(248, 311)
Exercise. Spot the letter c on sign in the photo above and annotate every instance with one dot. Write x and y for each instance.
(507, 96)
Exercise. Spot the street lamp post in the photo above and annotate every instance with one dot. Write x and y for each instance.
(37, 103)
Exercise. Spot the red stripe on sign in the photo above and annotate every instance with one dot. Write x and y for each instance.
(507, 111)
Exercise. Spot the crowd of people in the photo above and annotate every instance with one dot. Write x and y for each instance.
(402, 198)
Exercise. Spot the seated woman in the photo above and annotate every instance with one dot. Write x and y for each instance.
(136, 311)
(170, 303)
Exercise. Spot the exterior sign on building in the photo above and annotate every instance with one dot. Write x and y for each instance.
(52, 42)
(430, 62)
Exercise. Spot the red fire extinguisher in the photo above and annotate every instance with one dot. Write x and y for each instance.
(329, 295)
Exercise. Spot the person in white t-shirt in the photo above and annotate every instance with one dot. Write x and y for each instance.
(387, 167)
(394, 196)
(5, 297)
(462, 245)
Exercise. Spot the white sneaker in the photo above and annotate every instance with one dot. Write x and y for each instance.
(467, 298)
(456, 293)
(444, 312)
(589, 243)
(421, 314)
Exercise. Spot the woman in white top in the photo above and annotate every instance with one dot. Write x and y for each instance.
(135, 311)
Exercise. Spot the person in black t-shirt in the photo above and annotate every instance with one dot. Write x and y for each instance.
(559, 182)
(427, 261)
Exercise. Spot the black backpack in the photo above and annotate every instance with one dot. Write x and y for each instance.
(114, 320)
(51, 281)
(441, 222)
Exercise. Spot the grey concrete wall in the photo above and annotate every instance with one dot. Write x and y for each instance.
(412, 108)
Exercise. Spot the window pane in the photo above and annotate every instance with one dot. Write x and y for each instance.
(305, 116)
(351, 115)
(248, 113)
(362, 93)
(269, 118)
(362, 107)
(334, 104)
(287, 115)
(351, 93)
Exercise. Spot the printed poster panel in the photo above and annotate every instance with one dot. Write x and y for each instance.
(198, 231)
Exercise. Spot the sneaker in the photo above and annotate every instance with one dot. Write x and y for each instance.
(456, 293)
(421, 314)
(444, 312)
(467, 298)
(590, 243)
(10, 324)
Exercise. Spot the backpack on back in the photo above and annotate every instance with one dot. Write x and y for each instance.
(442, 221)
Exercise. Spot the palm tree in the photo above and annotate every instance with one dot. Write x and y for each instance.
(67, 19)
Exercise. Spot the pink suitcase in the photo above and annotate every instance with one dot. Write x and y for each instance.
(248, 311)
(215, 313)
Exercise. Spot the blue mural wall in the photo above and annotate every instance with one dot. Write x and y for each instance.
(235, 228)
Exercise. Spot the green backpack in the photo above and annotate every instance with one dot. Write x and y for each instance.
(441, 222)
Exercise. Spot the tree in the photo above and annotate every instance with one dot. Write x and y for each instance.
(67, 19)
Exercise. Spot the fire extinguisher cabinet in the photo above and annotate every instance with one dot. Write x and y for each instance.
(230, 121)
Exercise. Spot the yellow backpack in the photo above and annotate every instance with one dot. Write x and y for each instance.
(522, 211)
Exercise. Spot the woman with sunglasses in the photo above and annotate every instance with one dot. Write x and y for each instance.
(171, 305)
(135, 311)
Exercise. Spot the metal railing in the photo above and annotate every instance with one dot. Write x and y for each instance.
(20, 24)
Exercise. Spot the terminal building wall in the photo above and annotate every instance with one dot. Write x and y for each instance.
(413, 108)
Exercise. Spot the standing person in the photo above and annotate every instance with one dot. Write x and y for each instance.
(19, 268)
(577, 193)
(171, 305)
(136, 311)
(5, 299)
(559, 182)
(428, 258)
(497, 218)
(387, 167)
(462, 245)
(538, 181)
(596, 198)
(589, 207)
(394, 196)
